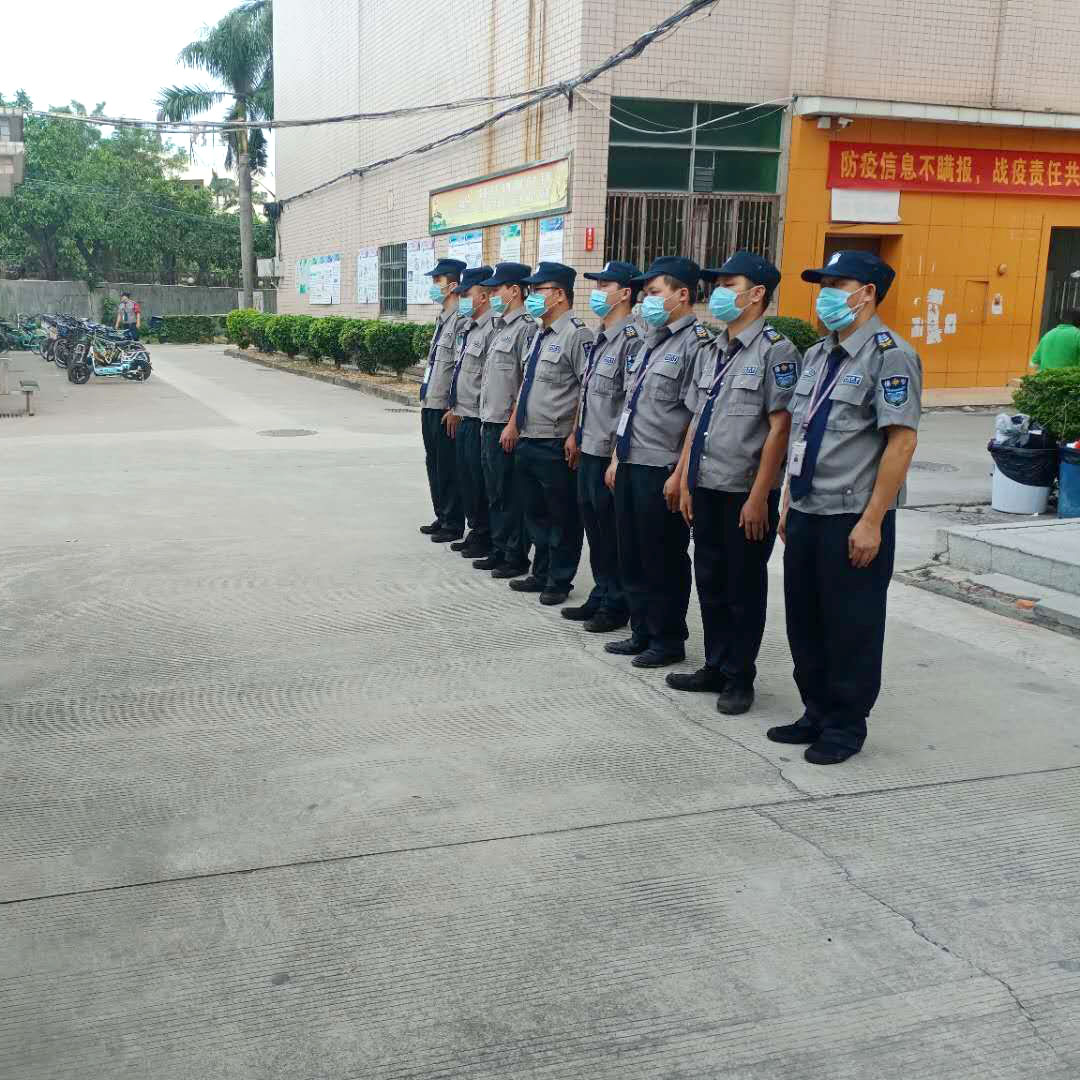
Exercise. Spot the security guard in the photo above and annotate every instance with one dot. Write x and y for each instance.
(545, 415)
(602, 396)
(653, 537)
(449, 523)
(462, 419)
(731, 471)
(855, 417)
(507, 353)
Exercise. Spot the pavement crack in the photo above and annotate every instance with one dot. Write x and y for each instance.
(913, 925)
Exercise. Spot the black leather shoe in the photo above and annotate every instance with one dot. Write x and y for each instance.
(704, 679)
(492, 562)
(527, 584)
(475, 551)
(604, 623)
(797, 734)
(461, 545)
(444, 536)
(434, 527)
(578, 614)
(734, 700)
(507, 572)
(651, 658)
(627, 647)
(826, 753)
(550, 599)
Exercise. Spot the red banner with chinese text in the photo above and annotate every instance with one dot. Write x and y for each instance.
(949, 168)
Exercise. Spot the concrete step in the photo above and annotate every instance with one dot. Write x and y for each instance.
(1041, 552)
(1057, 607)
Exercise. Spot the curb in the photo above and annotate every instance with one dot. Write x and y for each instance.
(386, 393)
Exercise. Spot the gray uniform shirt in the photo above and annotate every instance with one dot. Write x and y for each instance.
(551, 411)
(441, 359)
(604, 391)
(665, 369)
(880, 386)
(476, 336)
(504, 366)
(759, 381)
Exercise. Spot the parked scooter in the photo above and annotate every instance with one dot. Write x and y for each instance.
(108, 354)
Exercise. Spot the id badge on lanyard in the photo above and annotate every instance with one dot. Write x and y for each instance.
(797, 450)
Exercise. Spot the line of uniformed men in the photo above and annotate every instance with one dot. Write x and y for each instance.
(537, 430)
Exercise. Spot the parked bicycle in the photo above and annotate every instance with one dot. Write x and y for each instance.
(108, 354)
(62, 332)
(24, 333)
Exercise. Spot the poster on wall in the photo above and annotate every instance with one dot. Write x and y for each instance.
(367, 276)
(551, 239)
(468, 247)
(419, 259)
(510, 243)
(324, 279)
(302, 266)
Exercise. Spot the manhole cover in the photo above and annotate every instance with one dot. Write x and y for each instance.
(287, 433)
(933, 466)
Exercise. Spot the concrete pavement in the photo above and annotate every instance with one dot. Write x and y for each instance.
(290, 792)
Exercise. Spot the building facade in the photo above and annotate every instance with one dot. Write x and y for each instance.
(789, 128)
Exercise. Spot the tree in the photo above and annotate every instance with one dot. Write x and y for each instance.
(238, 52)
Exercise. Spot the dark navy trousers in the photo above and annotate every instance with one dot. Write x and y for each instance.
(732, 581)
(653, 562)
(441, 463)
(597, 506)
(470, 474)
(836, 622)
(504, 507)
(546, 486)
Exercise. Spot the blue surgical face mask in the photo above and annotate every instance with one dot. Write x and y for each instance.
(498, 305)
(536, 304)
(722, 304)
(654, 312)
(832, 308)
(465, 306)
(599, 302)
(436, 294)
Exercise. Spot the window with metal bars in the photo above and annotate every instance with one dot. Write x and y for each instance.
(393, 279)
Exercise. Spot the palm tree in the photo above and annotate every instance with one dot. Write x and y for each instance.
(239, 53)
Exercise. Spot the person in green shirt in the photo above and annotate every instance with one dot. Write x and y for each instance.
(1060, 347)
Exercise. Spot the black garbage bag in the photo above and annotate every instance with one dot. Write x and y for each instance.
(1032, 467)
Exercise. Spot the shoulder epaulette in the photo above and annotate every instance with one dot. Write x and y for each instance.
(630, 331)
(527, 318)
(884, 340)
(702, 333)
(577, 322)
(772, 334)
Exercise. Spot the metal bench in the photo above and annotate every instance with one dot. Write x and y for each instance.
(29, 387)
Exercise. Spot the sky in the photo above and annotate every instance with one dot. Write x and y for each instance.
(119, 53)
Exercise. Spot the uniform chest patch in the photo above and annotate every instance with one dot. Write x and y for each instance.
(895, 390)
(785, 375)
(672, 358)
(555, 348)
(608, 360)
(851, 380)
(810, 373)
(751, 369)
(505, 342)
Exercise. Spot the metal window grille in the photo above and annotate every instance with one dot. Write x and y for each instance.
(393, 292)
(643, 225)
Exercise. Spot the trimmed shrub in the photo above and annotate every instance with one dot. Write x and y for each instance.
(324, 337)
(421, 340)
(1052, 399)
(353, 345)
(798, 331)
(186, 329)
(390, 344)
(287, 333)
(258, 328)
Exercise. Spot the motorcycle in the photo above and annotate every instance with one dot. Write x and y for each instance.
(104, 353)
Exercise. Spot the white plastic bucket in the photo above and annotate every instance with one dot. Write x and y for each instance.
(1012, 498)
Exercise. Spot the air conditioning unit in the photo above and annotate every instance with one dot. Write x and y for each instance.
(268, 267)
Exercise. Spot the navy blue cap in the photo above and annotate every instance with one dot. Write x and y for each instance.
(685, 270)
(622, 272)
(862, 266)
(509, 273)
(447, 267)
(552, 273)
(476, 275)
(748, 265)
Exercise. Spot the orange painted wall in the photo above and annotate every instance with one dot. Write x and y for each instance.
(944, 241)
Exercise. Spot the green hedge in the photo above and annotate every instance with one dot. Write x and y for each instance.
(799, 332)
(186, 329)
(369, 343)
(1052, 399)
